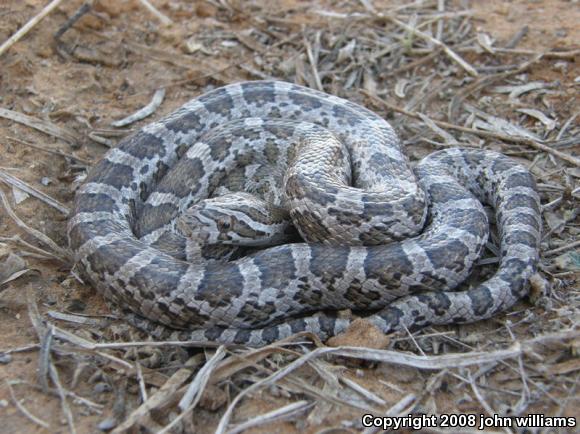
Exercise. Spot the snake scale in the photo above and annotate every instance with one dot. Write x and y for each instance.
(261, 209)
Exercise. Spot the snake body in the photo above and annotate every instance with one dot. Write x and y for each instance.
(375, 235)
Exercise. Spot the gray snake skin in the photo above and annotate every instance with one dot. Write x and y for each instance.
(260, 209)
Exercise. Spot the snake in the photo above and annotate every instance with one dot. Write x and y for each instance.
(263, 209)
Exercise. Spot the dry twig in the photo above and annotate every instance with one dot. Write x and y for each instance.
(15, 182)
(41, 125)
(24, 410)
(57, 251)
(51, 151)
(29, 25)
(165, 20)
(452, 54)
(508, 138)
(142, 113)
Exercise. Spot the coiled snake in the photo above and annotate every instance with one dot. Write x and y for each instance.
(191, 222)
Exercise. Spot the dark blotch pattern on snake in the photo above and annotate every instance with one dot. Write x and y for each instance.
(257, 209)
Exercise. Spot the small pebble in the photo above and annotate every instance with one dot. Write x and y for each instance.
(107, 424)
(77, 305)
(229, 44)
(5, 358)
(101, 388)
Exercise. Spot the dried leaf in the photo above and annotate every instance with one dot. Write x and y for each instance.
(485, 41)
(549, 123)
(346, 51)
(369, 82)
(449, 139)
(145, 111)
(555, 221)
(11, 267)
(46, 127)
(192, 45)
(498, 125)
(519, 90)
(568, 261)
(19, 195)
(400, 88)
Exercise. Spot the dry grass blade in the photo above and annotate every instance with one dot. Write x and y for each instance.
(415, 63)
(45, 334)
(29, 25)
(142, 113)
(517, 37)
(193, 393)
(237, 363)
(88, 345)
(363, 391)
(51, 151)
(217, 72)
(567, 125)
(300, 385)
(401, 408)
(58, 252)
(24, 410)
(498, 125)
(37, 252)
(15, 182)
(96, 408)
(12, 266)
(282, 413)
(562, 249)
(420, 362)
(482, 82)
(142, 386)
(490, 134)
(564, 54)
(78, 319)
(159, 398)
(549, 123)
(516, 91)
(153, 344)
(195, 390)
(25, 348)
(54, 376)
(385, 356)
(480, 398)
(448, 138)
(452, 54)
(41, 125)
(313, 65)
(165, 20)
(80, 12)
(12, 277)
(101, 136)
(44, 358)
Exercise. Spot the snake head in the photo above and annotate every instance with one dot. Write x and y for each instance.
(239, 219)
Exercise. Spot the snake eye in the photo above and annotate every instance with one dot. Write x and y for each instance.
(224, 224)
